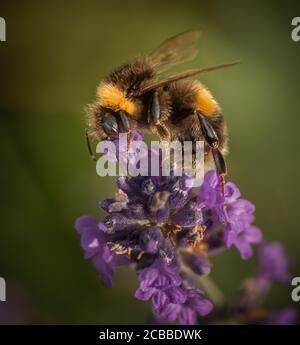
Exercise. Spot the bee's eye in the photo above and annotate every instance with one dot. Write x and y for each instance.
(110, 124)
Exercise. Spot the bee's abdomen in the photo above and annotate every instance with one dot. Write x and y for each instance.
(188, 96)
(192, 95)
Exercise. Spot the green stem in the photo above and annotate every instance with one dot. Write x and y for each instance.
(212, 291)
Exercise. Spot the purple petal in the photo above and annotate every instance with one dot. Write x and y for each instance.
(86, 223)
(160, 300)
(176, 295)
(147, 277)
(274, 263)
(243, 239)
(231, 192)
(144, 294)
(92, 238)
(187, 316)
(287, 316)
(104, 268)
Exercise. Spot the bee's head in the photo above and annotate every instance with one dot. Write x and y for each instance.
(103, 122)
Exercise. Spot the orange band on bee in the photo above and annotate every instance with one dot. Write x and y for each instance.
(205, 102)
(112, 97)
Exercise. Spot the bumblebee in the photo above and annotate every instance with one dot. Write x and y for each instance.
(134, 96)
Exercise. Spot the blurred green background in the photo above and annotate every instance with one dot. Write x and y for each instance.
(56, 53)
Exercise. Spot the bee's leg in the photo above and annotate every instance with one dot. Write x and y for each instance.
(155, 108)
(220, 166)
(212, 139)
(110, 125)
(208, 132)
(125, 121)
(88, 143)
(162, 131)
(126, 126)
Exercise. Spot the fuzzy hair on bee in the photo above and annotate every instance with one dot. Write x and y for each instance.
(117, 92)
(174, 108)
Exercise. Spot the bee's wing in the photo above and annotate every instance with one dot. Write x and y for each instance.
(175, 50)
(183, 75)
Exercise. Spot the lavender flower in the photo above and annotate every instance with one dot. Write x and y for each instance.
(273, 266)
(94, 242)
(234, 213)
(162, 283)
(167, 230)
(187, 313)
(274, 263)
(286, 316)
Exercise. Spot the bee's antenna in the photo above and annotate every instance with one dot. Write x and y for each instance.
(88, 143)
